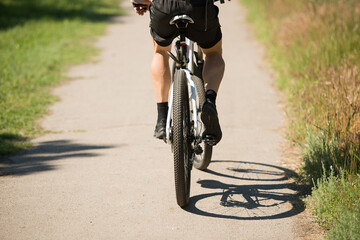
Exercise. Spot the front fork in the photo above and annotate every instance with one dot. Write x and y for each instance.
(194, 111)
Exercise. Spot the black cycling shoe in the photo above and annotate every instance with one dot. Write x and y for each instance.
(160, 129)
(212, 133)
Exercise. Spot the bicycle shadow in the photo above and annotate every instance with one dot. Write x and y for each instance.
(249, 201)
(282, 173)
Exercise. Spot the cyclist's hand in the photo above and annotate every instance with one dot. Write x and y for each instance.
(141, 7)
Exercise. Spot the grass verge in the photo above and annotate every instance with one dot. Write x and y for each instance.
(314, 46)
(335, 201)
(38, 41)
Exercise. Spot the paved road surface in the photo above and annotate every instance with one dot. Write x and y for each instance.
(99, 173)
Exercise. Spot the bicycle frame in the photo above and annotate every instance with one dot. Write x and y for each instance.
(189, 70)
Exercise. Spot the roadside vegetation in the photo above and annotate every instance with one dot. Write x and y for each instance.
(314, 48)
(39, 40)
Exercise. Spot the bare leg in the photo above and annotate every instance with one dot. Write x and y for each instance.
(213, 73)
(214, 67)
(160, 72)
(161, 80)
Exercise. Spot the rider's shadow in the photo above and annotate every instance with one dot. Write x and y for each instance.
(249, 202)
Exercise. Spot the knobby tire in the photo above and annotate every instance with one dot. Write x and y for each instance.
(181, 138)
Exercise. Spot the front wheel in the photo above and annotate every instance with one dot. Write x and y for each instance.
(181, 139)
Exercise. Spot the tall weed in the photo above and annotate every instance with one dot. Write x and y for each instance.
(315, 49)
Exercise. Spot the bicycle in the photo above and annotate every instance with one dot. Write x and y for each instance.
(186, 98)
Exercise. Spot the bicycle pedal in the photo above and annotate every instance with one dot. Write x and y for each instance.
(210, 140)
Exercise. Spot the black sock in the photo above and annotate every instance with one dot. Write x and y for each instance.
(211, 96)
(162, 109)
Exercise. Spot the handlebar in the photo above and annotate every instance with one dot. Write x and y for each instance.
(143, 5)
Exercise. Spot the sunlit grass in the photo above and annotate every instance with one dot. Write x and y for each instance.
(38, 41)
(314, 47)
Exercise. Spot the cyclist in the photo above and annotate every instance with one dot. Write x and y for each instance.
(207, 33)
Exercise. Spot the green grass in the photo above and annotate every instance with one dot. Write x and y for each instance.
(336, 202)
(39, 40)
(314, 47)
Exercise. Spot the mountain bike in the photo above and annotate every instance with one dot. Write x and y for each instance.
(186, 98)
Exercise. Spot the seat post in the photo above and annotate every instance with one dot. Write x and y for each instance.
(181, 22)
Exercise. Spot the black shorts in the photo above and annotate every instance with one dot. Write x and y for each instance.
(206, 34)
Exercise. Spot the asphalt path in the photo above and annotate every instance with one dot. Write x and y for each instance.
(99, 174)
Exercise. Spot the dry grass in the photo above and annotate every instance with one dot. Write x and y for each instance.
(318, 58)
(314, 47)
